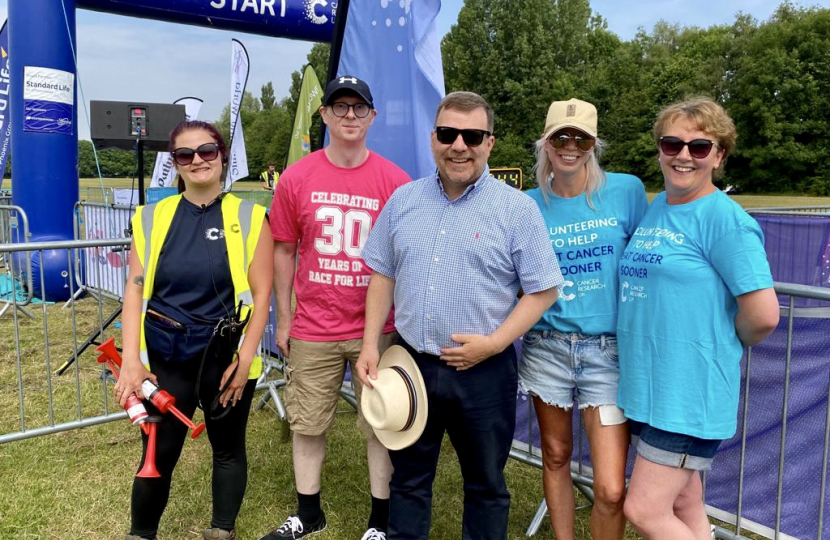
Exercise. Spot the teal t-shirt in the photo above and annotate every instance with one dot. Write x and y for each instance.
(679, 279)
(588, 243)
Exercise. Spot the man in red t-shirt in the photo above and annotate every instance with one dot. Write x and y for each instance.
(323, 208)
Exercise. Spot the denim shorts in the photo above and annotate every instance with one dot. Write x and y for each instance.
(673, 449)
(560, 367)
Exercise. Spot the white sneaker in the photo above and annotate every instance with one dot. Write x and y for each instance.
(373, 534)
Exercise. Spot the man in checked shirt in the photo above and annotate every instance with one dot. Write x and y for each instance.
(453, 250)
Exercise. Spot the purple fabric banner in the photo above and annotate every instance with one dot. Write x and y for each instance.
(5, 84)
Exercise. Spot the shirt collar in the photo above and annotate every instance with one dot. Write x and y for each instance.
(480, 183)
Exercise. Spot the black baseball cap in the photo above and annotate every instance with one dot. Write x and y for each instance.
(348, 83)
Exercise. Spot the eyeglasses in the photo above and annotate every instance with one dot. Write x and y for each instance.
(561, 140)
(698, 148)
(361, 110)
(184, 156)
(471, 137)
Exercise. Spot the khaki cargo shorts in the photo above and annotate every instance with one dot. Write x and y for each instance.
(313, 376)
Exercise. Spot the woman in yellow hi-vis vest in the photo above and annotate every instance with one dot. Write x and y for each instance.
(195, 307)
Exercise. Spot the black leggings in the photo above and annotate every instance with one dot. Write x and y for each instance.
(227, 438)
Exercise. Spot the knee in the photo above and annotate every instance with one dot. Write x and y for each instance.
(636, 512)
(688, 501)
(610, 494)
(556, 454)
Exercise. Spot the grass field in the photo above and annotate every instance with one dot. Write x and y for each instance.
(77, 484)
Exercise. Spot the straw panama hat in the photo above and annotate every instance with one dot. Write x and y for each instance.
(396, 406)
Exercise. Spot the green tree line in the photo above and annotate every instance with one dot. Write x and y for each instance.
(772, 76)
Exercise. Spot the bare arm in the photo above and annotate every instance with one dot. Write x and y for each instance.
(475, 347)
(379, 297)
(284, 268)
(260, 280)
(133, 371)
(757, 316)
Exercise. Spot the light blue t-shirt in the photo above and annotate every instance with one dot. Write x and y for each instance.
(679, 277)
(589, 243)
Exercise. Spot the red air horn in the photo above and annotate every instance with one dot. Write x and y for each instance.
(148, 470)
(163, 401)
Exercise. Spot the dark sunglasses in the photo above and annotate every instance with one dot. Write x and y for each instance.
(472, 137)
(698, 148)
(561, 140)
(361, 110)
(184, 156)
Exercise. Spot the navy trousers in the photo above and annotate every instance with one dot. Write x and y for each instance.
(477, 409)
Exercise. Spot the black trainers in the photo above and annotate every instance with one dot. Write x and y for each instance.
(294, 528)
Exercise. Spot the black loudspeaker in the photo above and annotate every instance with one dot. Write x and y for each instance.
(119, 124)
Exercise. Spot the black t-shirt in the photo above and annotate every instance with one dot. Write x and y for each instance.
(193, 283)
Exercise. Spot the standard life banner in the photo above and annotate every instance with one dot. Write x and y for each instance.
(48, 100)
(5, 85)
(164, 172)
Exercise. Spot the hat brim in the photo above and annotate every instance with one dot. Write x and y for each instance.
(574, 125)
(345, 90)
(398, 440)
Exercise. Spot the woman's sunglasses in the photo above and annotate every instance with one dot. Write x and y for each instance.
(472, 137)
(561, 140)
(184, 156)
(698, 148)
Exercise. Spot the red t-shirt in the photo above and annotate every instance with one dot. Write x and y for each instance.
(330, 211)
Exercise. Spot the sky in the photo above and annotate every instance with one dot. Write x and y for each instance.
(130, 59)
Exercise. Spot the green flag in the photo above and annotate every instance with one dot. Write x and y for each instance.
(311, 97)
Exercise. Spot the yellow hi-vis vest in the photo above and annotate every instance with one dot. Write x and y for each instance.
(242, 221)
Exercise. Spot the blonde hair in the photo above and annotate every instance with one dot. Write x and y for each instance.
(707, 116)
(544, 170)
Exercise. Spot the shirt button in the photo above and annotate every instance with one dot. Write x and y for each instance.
(436, 259)
(443, 231)
(429, 317)
(431, 288)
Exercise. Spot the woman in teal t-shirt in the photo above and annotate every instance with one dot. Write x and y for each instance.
(571, 353)
(695, 288)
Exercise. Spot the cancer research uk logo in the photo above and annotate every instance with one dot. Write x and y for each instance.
(311, 12)
(48, 100)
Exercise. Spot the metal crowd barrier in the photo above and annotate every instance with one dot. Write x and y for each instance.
(791, 210)
(735, 523)
(48, 402)
(16, 271)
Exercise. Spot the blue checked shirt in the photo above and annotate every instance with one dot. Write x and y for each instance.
(458, 265)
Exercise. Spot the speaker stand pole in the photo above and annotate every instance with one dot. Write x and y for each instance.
(139, 148)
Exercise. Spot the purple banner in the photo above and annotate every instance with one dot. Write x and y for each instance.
(5, 124)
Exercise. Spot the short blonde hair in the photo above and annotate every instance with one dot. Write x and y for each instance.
(706, 115)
